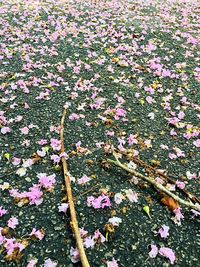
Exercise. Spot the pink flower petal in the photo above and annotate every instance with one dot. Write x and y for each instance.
(24, 130)
(112, 263)
(164, 231)
(197, 143)
(154, 251)
(13, 222)
(5, 130)
(168, 253)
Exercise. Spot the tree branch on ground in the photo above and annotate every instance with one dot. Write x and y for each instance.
(152, 181)
(74, 222)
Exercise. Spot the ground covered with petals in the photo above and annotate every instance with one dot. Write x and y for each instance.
(128, 74)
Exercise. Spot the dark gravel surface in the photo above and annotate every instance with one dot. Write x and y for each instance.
(129, 73)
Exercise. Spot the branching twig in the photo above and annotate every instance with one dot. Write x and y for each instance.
(74, 222)
(154, 183)
(145, 165)
(89, 190)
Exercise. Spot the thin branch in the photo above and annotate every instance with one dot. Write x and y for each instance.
(154, 183)
(89, 190)
(74, 222)
(145, 165)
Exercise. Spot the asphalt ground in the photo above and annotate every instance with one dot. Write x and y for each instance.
(129, 74)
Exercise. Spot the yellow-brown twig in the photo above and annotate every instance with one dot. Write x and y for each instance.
(74, 222)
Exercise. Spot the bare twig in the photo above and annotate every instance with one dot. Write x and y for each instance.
(74, 222)
(89, 190)
(152, 181)
(146, 166)
(6, 174)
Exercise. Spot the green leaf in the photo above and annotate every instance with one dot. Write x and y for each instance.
(46, 149)
(146, 209)
(7, 156)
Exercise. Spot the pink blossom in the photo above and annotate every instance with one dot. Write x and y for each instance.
(132, 196)
(154, 251)
(42, 142)
(74, 95)
(55, 158)
(76, 70)
(18, 118)
(180, 184)
(110, 133)
(13, 222)
(34, 195)
(63, 207)
(16, 161)
(197, 143)
(55, 129)
(5, 130)
(11, 244)
(28, 163)
(166, 73)
(24, 130)
(84, 179)
(119, 112)
(37, 233)
(132, 140)
(118, 197)
(165, 147)
(32, 263)
(173, 120)
(135, 152)
(2, 211)
(164, 231)
(137, 95)
(98, 237)
(83, 232)
(100, 202)
(87, 67)
(121, 143)
(171, 187)
(50, 263)
(26, 106)
(46, 181)
(89, 242)
(192, 40)
(179, 152)
(173, 132)
(150, 99)
(191, 175)
(41, 153)
(112, 263)
(172, 156)
(74, 254)
(61, 68)
(178, 216)
(181, 115)
(115, 221)
(64, 155)
(168, 253)
(55, 144)
(74, 117)
(195, 212)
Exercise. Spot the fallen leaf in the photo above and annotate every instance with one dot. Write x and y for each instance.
(146, 209)
(7, 156)
(170, 203)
